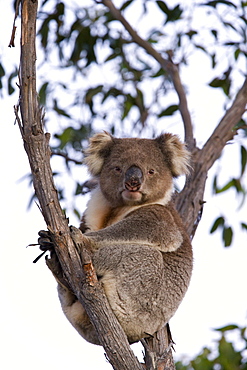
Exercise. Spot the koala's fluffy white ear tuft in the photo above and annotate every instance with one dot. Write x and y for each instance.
(176, 154)
(99, 146)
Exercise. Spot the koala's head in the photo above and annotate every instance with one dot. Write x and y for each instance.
(136, 171)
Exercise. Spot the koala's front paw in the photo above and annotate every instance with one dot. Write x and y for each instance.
(45, 241)
(46, 245)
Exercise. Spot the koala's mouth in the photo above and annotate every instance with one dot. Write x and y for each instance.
(132, 195)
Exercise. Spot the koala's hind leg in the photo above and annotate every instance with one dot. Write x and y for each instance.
(76, 314)
(71, 307)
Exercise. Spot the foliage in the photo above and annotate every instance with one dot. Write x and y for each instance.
(93, 76)
(224, 356)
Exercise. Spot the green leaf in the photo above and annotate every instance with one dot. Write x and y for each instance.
(44, 31)
(11, 76)
(2, 73)
(162, 5)
(219, 222)
(201, 48)
(77, 213)
(84, 46)
(226, 187)
(65, 137)
(168, 111)
(171, 14)
(91, 94)
(128, 104)
(222, 83)
(191, 33)
(60, 9)
(242, 333)
(216, 2)
(79, 188)
(243, 159)
(125, 5)
(202, 361)
(227, 236)
(159, 73)
(59, 110)
(215, 186)
(213, 58)
(237, 53)
(42, 93)
(112, 92)
(111, 57)
(223, 329)
(233, 183)
(228, 358)
(215, 34)
(244, 226)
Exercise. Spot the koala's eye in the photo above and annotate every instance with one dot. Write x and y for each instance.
(117, 169)
(151, 171)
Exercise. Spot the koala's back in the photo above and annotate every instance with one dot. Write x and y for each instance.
(144, 285)
(133, 281)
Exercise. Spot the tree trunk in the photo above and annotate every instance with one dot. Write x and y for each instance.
(74, 265)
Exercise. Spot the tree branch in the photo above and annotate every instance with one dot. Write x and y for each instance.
(12, 38)
(189, 202)
(167, 65)
(74, 264)
(65, 156)
(226, 129)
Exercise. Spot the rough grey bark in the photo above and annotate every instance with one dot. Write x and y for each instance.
(77, 267)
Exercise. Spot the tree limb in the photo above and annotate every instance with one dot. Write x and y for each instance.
(189, 202)
(73, 263)
(167, 65)
(226, 129)
(65, 156)
(12, 38)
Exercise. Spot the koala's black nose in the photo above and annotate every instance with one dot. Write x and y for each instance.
(133, 178)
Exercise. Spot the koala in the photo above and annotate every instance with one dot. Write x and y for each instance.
(140, 250)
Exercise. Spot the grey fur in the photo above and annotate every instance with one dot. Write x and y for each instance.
(142, 254)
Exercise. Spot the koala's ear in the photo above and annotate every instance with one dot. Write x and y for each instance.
(99, 147)
(175, 153)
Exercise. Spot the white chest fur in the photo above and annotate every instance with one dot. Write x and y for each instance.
(100, 214)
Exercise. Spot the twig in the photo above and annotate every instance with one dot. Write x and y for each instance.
(16, 109)
(12, 38)
(167, 66)
(66, 157)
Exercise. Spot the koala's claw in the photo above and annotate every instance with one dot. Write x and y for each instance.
(45, 244)
(44, 241)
